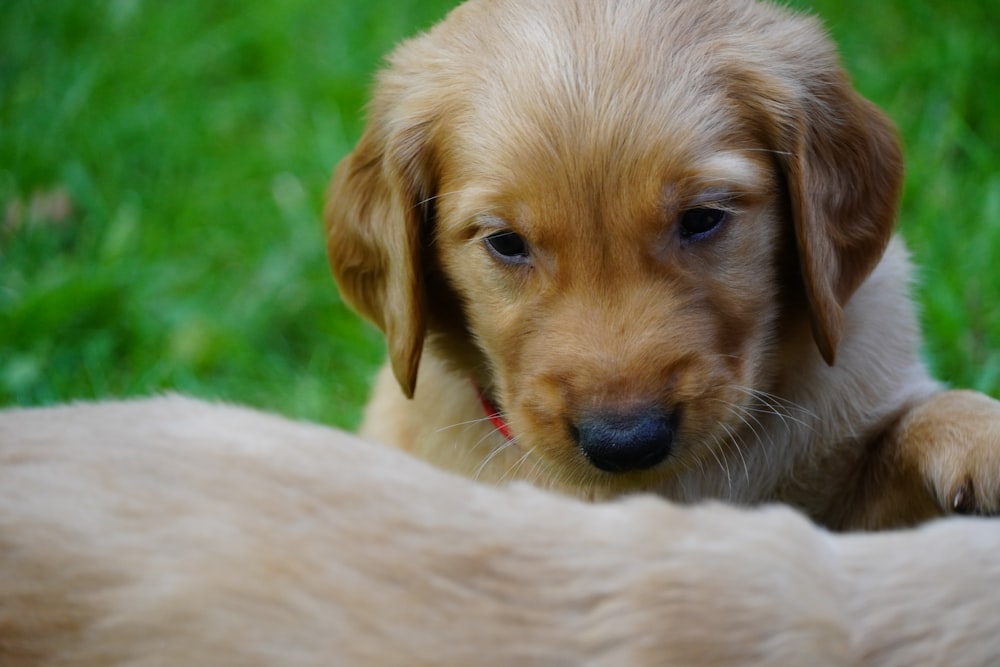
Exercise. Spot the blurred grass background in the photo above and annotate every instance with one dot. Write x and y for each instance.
(162, 166)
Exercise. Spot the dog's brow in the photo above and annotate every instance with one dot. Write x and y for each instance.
(442, 195)
(733, 169)
(488, 220)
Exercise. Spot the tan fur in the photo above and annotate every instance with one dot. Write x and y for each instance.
(785, 344)
(174, 532)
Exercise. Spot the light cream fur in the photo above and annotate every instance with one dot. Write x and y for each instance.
(174, 532)
(785, 344)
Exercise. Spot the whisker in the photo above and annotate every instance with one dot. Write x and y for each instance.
(496, 452)
(533, 474)
(778, 406)
(739, 450)
(768, 150)
(745, 412)
(780, 401)
(443, 194)
(465, 423)
(512, 471)
(722, 466)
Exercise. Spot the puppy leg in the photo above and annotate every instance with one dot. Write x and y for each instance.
(953, 439)
(941, 457)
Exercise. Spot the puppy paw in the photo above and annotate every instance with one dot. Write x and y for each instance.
(955, 436)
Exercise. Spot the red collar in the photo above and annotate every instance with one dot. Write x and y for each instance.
(493, 414)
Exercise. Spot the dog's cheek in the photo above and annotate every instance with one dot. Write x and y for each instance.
(488, 301)
(735, 318)
(747, 292)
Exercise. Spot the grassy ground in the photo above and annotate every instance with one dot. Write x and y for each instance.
(162, 166)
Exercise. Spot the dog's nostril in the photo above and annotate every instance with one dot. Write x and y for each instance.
(622, 443)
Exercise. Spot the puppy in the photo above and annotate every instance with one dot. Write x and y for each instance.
(648, 245)
(173, 532)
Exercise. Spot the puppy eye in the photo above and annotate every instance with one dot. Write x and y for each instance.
(699, 223)
(508, 246)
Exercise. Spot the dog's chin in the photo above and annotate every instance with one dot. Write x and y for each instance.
(558, 464)
(583, 480)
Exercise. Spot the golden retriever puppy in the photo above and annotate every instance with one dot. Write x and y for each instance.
(648, 245)
(173, 532)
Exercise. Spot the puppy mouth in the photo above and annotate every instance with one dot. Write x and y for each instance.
(614, 442)
(494, 413)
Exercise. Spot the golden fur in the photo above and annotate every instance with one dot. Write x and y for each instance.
(774, 356)
(173, 532)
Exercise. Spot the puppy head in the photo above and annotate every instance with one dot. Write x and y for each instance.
(593, 205)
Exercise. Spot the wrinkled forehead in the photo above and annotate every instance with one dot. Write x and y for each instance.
(562, 151)
(569, 143)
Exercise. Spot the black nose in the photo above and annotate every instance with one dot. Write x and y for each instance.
(625, 442)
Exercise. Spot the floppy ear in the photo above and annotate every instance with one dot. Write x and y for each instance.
(376, 216)
(844, 170)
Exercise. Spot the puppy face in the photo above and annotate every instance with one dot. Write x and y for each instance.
(623, 307)
(612, 214)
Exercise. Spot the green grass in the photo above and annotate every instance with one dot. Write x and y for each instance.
(162, 167)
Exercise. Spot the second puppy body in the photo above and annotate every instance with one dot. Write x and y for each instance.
(172, 532)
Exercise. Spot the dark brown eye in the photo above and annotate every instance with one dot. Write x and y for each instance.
(508, 246)
(699, 223)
